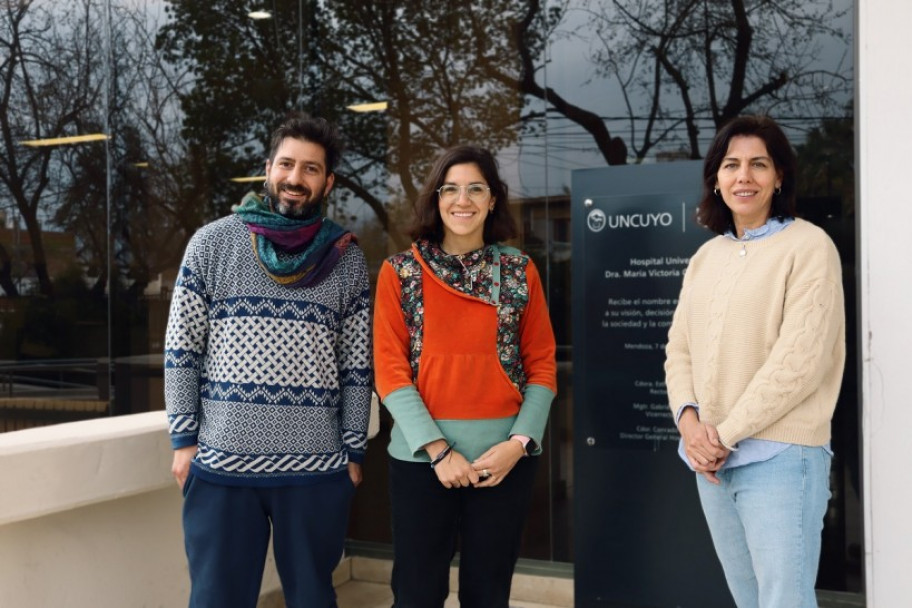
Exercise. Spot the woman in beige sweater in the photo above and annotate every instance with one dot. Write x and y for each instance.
(754, 363)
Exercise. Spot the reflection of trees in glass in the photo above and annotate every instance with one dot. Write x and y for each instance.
(427, 59)
(451, 72)
(65, 76)
(826, 164)
(50, 86)
(246, 76)
(154, 204)
(529, 28)
(242, 77)
(679, 63)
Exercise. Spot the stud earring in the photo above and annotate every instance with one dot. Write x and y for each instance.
(716, 191)
(779, 190)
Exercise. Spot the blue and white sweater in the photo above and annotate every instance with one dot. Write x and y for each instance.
(273, 384)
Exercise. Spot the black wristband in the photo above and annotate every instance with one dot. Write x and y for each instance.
(443, 454)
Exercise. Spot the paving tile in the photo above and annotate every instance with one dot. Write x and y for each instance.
(358, 594)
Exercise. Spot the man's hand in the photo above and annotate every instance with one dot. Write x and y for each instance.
(180, 466)
(354, 471)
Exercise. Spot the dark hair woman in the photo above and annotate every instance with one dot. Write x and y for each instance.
(464, 361)
(754, 363)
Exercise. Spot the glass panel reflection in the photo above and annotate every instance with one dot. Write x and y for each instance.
(187, 92)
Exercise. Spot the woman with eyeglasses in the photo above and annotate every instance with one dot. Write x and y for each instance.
(464, 358)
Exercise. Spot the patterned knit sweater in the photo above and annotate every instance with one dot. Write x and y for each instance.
(758, 339)
(271, 383)
(471, 368)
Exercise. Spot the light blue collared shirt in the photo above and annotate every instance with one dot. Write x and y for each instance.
(748, 450)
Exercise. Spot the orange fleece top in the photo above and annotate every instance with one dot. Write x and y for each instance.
(460, 375)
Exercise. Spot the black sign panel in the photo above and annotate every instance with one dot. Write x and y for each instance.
(636, 248)
(640, 538)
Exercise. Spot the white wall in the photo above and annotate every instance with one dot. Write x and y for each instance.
(884, 105)
(90, 517)
(126, 552)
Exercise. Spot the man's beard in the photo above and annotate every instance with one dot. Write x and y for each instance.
(298, 210)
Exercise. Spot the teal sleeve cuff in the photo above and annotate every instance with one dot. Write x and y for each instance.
(412, 418)
(533, 415)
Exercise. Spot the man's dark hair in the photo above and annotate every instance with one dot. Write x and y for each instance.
(499, 224)
(712, 211)
(315, 130)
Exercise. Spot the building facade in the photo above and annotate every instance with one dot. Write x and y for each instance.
(186, 93)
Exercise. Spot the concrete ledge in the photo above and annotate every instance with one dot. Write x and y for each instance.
(65, 466)
(90, 516)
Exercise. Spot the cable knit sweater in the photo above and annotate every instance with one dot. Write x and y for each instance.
(758, 339)
(272, 383)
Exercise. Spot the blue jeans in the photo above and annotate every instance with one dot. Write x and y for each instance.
(765, 520)
(226, 536)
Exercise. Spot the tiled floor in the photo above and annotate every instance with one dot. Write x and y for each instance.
(364, 583)
(358, 594)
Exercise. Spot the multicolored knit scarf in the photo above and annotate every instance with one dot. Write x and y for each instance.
(293, 252)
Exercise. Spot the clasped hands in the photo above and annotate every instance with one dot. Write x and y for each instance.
(455, 471)
(702, 445)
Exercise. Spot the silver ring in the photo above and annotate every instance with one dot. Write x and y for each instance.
(485, 473)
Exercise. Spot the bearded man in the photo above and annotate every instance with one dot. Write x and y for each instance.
(268, 382)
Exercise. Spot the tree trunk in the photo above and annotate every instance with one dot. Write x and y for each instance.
(39, 260)
(6, 274)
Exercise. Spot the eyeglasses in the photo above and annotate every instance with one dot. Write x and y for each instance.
(476, 192)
